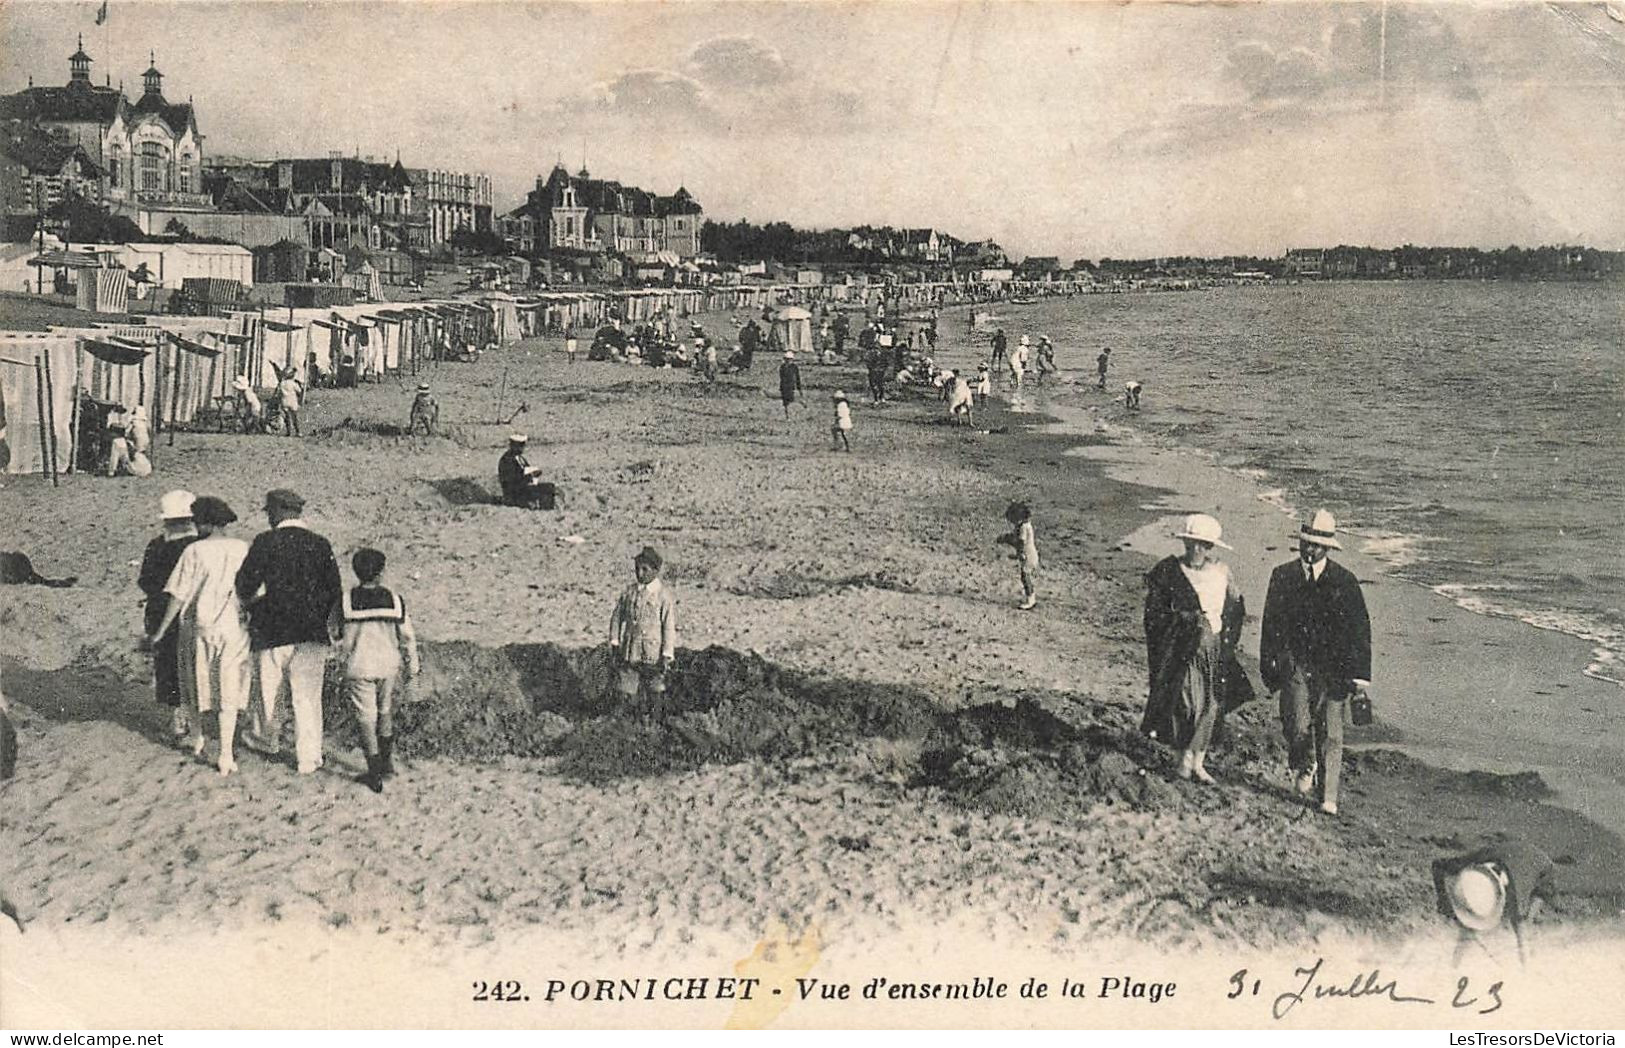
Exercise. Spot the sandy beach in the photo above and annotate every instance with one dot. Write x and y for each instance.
(875, 749)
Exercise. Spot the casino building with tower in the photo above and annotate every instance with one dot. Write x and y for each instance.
(149, 151)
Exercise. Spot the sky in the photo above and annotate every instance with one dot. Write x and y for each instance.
(1083, 130)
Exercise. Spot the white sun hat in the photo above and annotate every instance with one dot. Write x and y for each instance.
(1321, 530)
(1477, 895)
(1203, 528)
(175, 505)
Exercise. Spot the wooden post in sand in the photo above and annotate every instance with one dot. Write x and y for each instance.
(73, 415)
(213, 363)
(50, 412)
(502, 391)
(175, 395)
(157, 395)
(39, 406)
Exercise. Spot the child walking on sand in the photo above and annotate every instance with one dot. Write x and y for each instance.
(204, 587)
(843, 422)
(372, 630)
(1023, 541)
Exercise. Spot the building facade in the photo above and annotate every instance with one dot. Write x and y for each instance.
(348, 200)
(150, 151)
(582, 213)
(449, 201)
(37, 171)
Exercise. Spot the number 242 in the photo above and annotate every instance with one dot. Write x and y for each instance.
(502, 990)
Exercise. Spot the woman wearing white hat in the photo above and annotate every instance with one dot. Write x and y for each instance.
(1193, 617)
(175, 513)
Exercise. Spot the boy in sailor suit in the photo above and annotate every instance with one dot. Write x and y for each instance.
(372, 630)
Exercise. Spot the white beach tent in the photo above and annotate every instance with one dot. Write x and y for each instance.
(505, 316)
(793, 325)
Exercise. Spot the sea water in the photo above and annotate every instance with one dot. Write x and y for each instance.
(1471, 436)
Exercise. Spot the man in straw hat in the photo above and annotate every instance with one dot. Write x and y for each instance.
(425, 413)
(521, 482)
(1501, 883)
(1315, 653)
(157, 564)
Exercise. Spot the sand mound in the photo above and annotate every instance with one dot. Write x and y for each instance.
(723, 706)
(1524, 786)
(366, 432)
(464, 491)
(795, 584)
(1024, 760)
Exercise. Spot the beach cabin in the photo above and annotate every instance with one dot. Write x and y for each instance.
(793, 326)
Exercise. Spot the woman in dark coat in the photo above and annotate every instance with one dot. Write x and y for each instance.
(1193, 617)
(175, 510)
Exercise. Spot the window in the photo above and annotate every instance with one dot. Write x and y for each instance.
(185, 172)
(154, 166)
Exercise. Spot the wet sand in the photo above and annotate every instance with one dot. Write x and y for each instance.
(938, 763)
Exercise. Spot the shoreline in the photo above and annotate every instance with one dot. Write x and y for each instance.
(1527, 700)
(1446, 530)
(870, 572)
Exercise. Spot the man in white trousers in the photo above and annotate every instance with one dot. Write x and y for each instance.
(289, 583)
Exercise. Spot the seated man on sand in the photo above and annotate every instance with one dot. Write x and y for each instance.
(522, 485)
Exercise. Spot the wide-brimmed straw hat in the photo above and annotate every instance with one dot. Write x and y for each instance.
(423, 387)
(1477, 895)
(839, 394)
(517, 438)
(175, 505)
(789, 354)
(1320, 530)
(1203, 528)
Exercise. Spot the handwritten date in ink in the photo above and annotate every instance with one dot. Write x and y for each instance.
(1313, 982)
(501, 990)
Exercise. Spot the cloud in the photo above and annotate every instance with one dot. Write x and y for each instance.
(653, 96)
(1405, 49)
(727, 84)
(738, 61)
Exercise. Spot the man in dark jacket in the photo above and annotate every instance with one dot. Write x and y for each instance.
(521, 482)
(1315, 652)
(288, 584)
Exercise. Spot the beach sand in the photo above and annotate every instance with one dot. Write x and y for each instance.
(873, 744)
